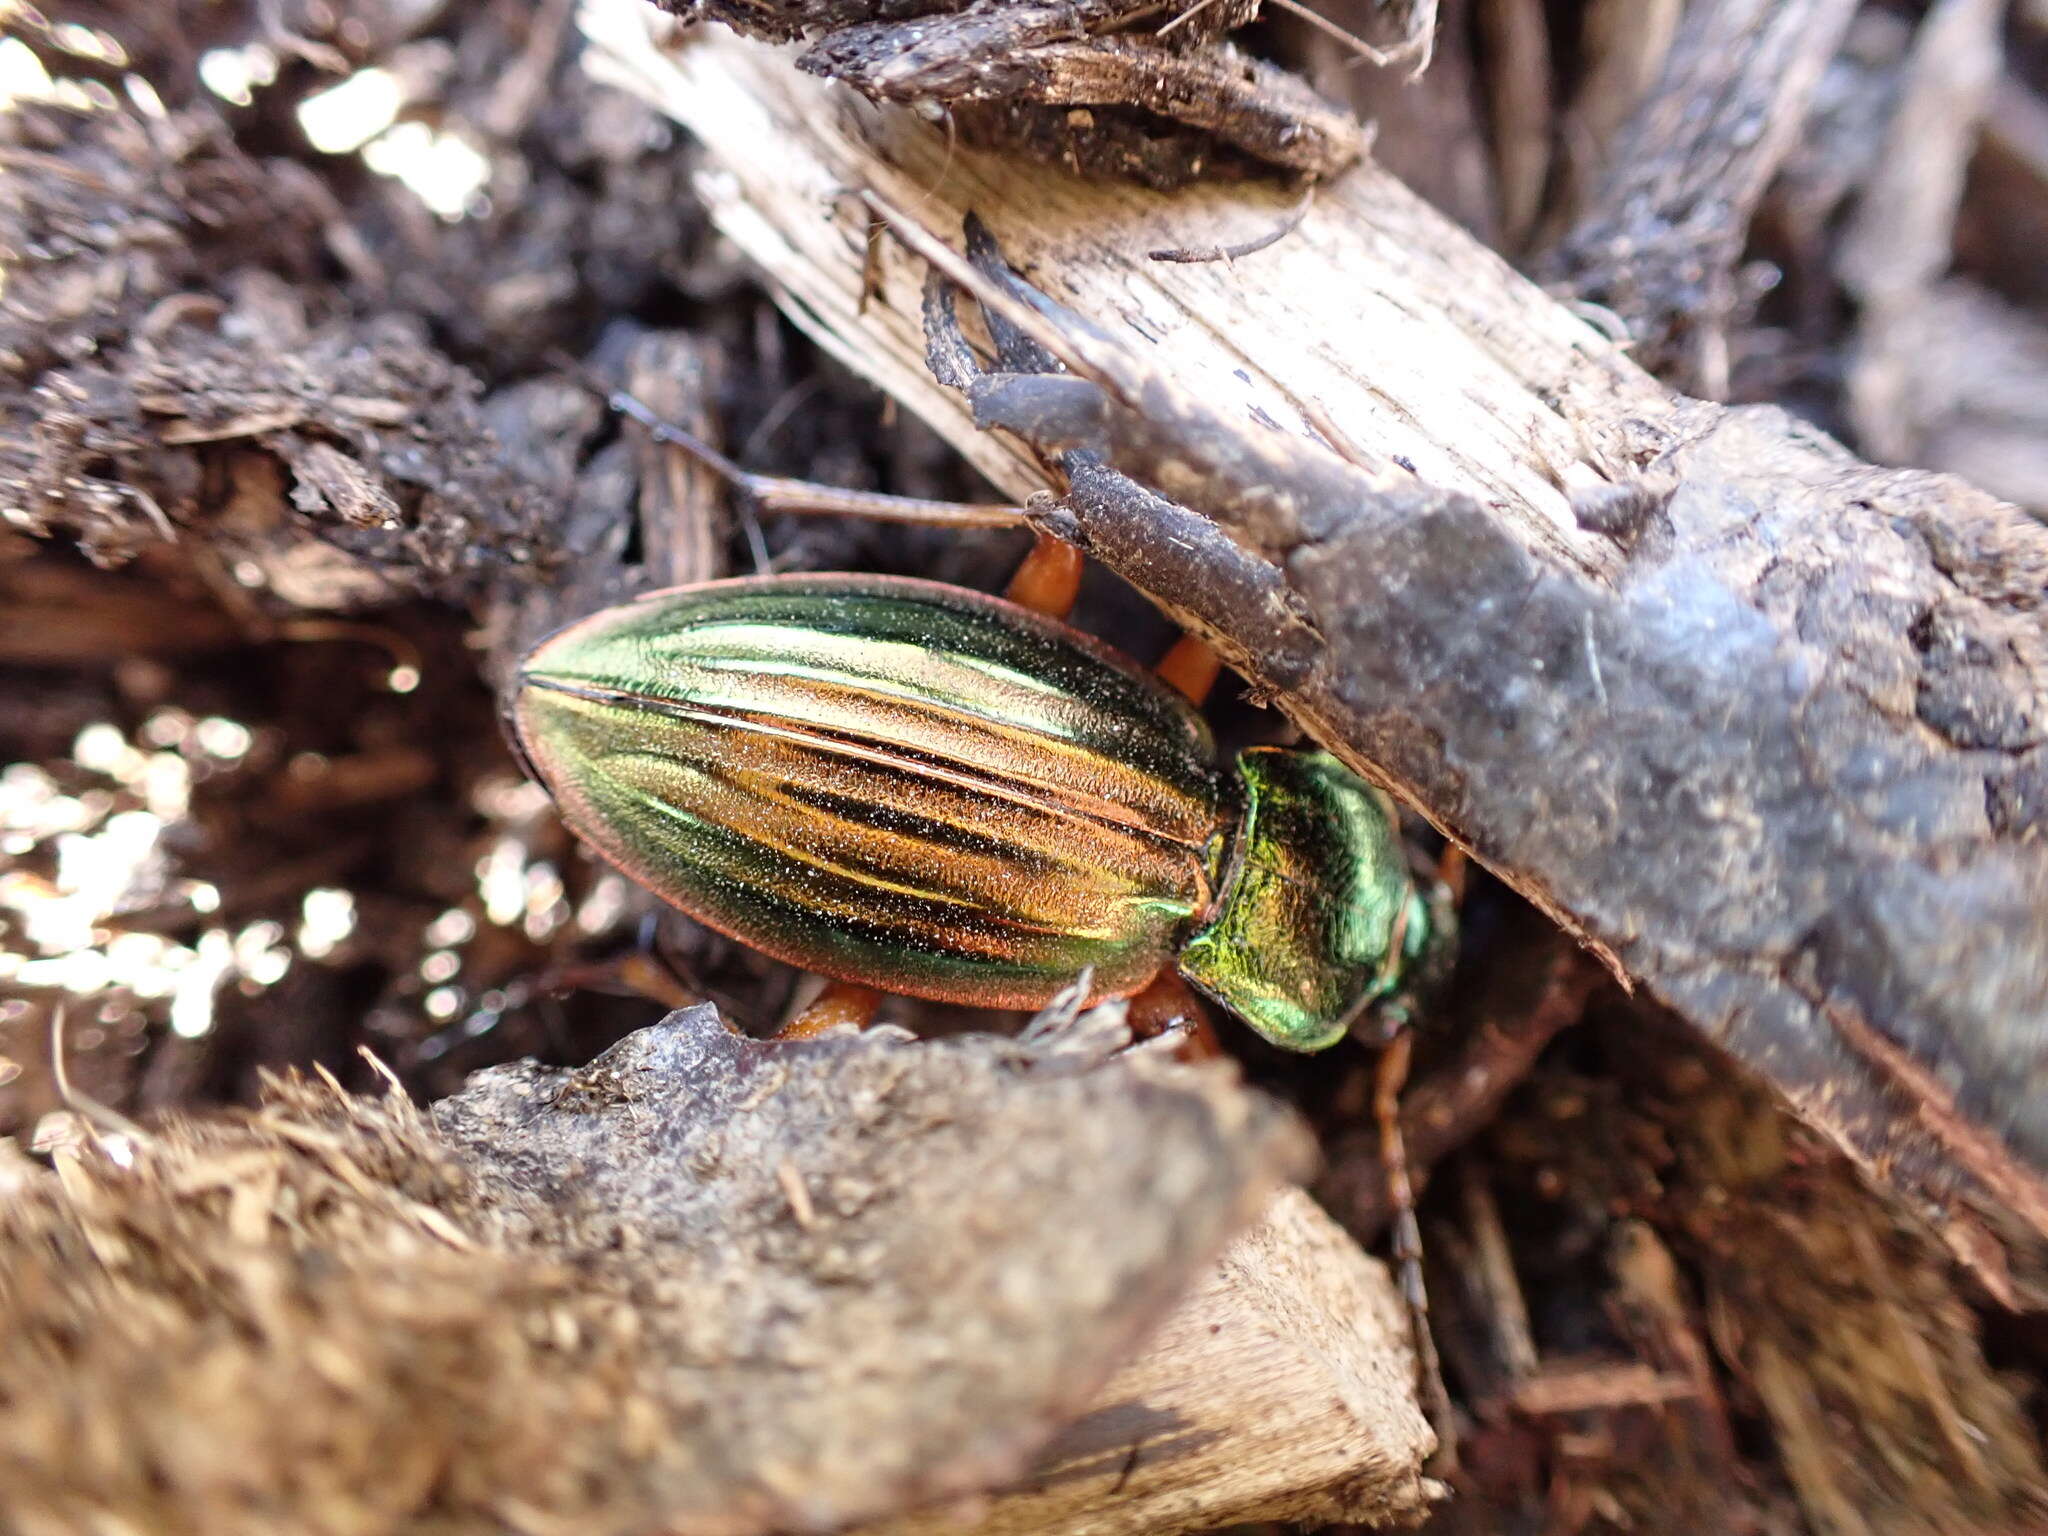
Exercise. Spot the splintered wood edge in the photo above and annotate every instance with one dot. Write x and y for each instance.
(1281, 1388)
(1375, 327)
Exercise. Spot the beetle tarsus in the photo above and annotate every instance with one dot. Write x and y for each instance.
(1167, 1007)
(842, 1003)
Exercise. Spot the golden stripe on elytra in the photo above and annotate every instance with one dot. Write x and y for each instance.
(968, 931)
(1076, 767)
(989, 877)
(947, 681)
(1073, 770)
(984, 893)
(1037, 842)
(1026, 793)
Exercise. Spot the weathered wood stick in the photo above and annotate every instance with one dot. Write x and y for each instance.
(1761, 724)
(1281, 1388)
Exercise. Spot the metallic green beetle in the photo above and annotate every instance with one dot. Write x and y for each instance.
(931, 791)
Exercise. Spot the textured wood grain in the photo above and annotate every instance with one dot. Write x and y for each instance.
(1280, 1389)
(1660, 229)
(1490, 395)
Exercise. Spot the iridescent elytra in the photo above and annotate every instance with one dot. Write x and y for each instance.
(931, 791)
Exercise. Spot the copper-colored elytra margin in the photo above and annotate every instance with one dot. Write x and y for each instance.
(1086, 808)
(508, 727)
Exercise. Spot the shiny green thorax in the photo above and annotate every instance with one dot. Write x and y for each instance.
(935, 792)
(1319, 919)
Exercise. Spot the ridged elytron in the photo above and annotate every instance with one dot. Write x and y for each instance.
(930, 791)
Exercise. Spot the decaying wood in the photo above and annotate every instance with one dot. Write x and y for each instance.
(1430, 373)
(1760, 723)
(301, 460)
(1515, 39)
(1281, 1389)
(1445, 1109)
(358, 427)
(1799, 1291)
(702, 1284)
(1659, 237)
(2010, 185)
(1626, 47)
(1962, 387)
(1096, 86)
(1416, 90)
(1911, 136)
(1899, 245)
(1746, 1276)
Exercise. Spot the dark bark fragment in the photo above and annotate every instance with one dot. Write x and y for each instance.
(1025, 53)
(1174, 105)
(1738, 1256)
(155, 358)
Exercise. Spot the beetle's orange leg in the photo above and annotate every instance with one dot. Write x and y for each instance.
(842, 1002)
(1049, 578)
(1168, 1005)
(1452, 867)
(1390, 1075)
(1190, 668)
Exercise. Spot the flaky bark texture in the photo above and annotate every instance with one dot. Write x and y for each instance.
(703, 1284)
(359, 426)
(1116, 88)
(1679, 165)
(1717, 1230)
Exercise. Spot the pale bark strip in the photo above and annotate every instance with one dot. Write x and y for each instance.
(1771, 745)
(1516, 38)
(1899, 244)
(1280, 1389)
(1455, 356)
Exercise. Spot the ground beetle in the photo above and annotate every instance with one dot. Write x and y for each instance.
(923, 789)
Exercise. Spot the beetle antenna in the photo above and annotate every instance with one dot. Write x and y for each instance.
(633, 408)
(777, 493)
(1390, 1074)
